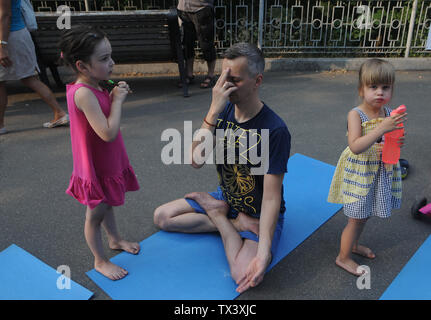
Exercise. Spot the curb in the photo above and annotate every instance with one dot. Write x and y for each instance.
(348, 64)
(271, 65)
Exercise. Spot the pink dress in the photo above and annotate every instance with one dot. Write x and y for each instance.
(101, 170)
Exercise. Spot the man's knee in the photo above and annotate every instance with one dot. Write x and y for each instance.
(161, 217)
(208, 51)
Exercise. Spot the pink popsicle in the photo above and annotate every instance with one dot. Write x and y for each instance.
(391, 150)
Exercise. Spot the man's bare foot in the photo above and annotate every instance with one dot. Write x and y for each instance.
(349, 265)
(246, 223)
(212, 207)
(363, 251)
(110, 270)
(130, 247)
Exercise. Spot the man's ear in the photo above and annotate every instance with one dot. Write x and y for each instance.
(259, 79)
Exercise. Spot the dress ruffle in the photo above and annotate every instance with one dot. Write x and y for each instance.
(110, 190)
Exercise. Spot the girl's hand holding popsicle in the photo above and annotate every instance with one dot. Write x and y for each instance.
(120, 91)
(120, 83)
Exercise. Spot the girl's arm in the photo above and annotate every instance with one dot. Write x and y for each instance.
(106, 128)
(359, 143)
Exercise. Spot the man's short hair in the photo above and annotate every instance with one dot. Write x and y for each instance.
(255, 59)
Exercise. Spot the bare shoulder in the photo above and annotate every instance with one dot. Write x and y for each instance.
(85, 98)
(353, 117)
(353, 113)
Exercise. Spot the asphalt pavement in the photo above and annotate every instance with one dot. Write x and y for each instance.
(36, 163)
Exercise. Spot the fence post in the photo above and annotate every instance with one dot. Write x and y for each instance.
(260, 26)
(411, 27)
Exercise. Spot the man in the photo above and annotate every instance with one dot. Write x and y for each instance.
(197, 17)
(247, 209)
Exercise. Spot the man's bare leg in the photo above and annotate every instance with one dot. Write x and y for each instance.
(242, 223)
(238, 252)
(179, 216)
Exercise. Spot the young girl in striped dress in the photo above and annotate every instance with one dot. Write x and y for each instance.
(362, 182)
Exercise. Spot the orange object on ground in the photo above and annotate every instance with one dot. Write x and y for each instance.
(391, 150)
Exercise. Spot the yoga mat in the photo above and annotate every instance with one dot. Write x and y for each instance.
(24, 277)
(413, 282)
(194, 266)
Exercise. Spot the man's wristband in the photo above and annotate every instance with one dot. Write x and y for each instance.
(3, 42)
(210, 124)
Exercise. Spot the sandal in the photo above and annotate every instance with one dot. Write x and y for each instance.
(189, 80)
(208, 82)
(64, 120)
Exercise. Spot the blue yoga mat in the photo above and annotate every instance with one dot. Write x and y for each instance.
(413, 282)
(24, 277)
(194, 266)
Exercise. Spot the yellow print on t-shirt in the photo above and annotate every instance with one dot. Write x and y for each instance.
(236, 180)
(234, 137)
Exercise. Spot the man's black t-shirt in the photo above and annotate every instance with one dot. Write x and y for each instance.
(245, 147)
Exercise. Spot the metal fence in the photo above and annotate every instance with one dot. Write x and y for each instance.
(301, 27)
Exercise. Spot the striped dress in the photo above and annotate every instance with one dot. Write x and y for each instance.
(363, 183)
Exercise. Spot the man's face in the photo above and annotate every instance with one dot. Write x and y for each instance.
(240, 77)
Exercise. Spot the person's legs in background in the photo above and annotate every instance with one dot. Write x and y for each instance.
(189, 38)
(3, 104)
(204, 24)
(60, 116)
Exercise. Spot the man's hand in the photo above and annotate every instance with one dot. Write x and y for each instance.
(254, 274)
(221, 92)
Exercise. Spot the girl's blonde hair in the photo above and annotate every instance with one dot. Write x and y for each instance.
(376, 71)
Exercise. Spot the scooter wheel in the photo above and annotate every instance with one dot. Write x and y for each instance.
(404, 163)
(416, 206)
(404, 172)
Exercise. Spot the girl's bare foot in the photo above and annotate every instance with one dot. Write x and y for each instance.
(363, 251)
(130, 247)
(349, 265)
(110, 270)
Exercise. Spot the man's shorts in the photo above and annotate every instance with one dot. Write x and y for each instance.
(232, 214)
(199, 25)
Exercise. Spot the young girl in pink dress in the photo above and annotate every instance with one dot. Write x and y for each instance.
(101, 169)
